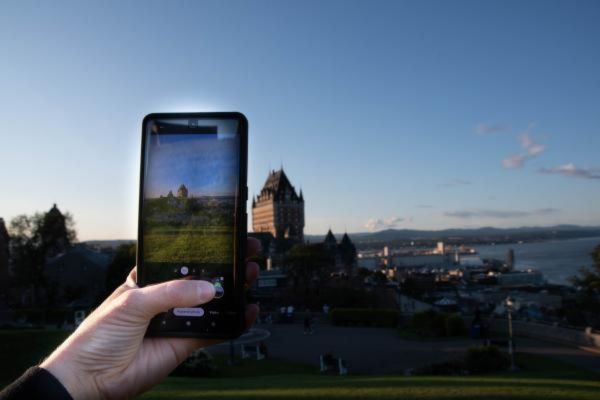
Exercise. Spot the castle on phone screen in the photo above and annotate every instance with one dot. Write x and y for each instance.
(279, 209)
(182, 192)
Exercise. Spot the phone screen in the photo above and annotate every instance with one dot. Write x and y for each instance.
(190, 215)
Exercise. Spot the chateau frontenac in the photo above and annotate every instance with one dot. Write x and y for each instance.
(279, 209)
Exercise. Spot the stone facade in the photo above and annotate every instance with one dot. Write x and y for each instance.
(279, 209)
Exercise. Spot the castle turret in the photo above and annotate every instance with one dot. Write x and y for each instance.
(330, 241)
(347, 254)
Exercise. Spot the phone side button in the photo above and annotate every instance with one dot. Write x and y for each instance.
(189, 312)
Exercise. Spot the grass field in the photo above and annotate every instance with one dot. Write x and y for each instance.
(541, 379)
(21, 349)
(188, 230)
(538, 378)
(188, 244)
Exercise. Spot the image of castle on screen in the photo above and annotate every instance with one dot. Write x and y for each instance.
(189, 202)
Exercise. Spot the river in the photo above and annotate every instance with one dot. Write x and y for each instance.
(556, 259)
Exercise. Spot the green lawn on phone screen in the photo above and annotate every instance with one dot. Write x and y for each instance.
(194, 230)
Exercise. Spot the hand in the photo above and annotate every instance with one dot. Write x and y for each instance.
(108, 355)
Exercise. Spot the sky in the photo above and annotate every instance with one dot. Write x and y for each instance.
(205, 164)
(388, 114)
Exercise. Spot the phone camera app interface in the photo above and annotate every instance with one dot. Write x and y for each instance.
(189, 203)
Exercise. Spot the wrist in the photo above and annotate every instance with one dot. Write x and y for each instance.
(69, 376)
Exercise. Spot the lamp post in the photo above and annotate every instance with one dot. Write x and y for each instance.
(509, 305)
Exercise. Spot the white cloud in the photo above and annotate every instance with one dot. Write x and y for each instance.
(486, 129)
(530, 147)
(514, 161)
(573, 171)
(375, 224)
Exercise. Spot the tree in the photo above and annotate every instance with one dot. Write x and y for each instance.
(35, 239)
(26, 255)
(56, 232)
(120, 266)
(588, 279)
(308, 261)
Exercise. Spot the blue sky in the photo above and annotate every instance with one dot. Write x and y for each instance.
(422, 114)
(207, 166)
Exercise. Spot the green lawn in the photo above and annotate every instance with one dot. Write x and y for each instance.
(20, 349)
(376, 387)
(538, 378)
(188, 244)
(191, 230)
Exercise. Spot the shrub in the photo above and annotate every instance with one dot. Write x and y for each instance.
(477, 360)
(364, 317)
(455, 325)
(429, 323)
(436, 324)
(199, 363)
(484, 359)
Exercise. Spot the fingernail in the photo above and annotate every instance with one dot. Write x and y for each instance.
(205, 290)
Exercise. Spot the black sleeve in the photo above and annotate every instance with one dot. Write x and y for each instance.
(36, 383)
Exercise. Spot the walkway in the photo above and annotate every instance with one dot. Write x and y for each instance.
(382, 351)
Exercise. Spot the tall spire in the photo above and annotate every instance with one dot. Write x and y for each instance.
(330, 238)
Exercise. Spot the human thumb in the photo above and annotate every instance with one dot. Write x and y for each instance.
(154, 299)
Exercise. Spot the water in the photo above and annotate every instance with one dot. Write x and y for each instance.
(557, 259)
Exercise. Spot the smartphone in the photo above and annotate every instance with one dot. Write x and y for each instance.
(192, 217)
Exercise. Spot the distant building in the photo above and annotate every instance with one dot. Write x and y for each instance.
(273, 248)
(279, 209)
(182, 192)
(330, 242)
(510, 259)
(78, 274)
(441, 248)
(4, 257)
(343, 252)
(521, 278)
(269, 287)
(348, 254)
(418, 260)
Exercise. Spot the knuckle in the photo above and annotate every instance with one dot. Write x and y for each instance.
(130, 298)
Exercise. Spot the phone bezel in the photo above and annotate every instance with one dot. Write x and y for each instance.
(240, 222)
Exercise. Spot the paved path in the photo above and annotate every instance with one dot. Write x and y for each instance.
(581, 357)
(381, 351)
